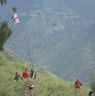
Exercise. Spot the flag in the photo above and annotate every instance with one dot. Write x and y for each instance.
(16, 18)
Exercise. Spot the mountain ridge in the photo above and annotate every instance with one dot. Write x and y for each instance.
(58, 34)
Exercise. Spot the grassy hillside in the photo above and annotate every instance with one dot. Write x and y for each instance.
(46, 83)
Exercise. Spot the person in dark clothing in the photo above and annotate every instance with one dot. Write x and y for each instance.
(17, 76)
(31, 74)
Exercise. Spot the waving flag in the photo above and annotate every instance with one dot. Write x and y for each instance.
(16, 18)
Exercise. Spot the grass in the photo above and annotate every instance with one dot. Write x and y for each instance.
(46, 84)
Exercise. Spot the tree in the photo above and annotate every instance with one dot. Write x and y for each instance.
(2, 2)
(5, 33)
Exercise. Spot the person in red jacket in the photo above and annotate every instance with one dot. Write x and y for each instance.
(77, 84)
(25, 74)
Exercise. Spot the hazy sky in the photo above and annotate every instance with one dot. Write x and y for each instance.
(83, 7)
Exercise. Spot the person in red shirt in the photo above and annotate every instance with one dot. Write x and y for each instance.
(25, 74)
(77, 84)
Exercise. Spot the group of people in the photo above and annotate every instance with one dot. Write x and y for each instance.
(25, 74)
(31, 74)
(78, 85)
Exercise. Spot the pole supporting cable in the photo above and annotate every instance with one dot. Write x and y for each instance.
(28, 51)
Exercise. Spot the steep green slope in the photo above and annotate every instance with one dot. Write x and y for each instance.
(46, 83)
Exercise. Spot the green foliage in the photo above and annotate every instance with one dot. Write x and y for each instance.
(5, 33)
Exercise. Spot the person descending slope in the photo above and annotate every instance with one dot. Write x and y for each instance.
(25, 74)
(77, 84)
